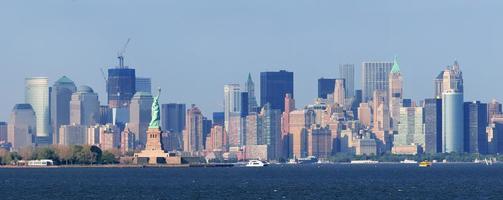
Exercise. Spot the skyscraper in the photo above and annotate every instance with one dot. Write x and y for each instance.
(173, 117)
(381, 111)
(140, 114)
(493, 109)
(3, 132)
(252, 100)
(271, 124)
(325, 86)
(300, 121)
(193, 133)
(232, 104)
(121, 86)
(475, 123)
(452, 122)
(375, 77)
(74, 134)
(22, 126)
(347, 72)
(433, 125)
(218, 118)
(285, 126)
(340, 92)
(143, 85)
(395, 94)
(273, 88)
(411, 127)
(84, 107)
(61, 94)
(37, 95)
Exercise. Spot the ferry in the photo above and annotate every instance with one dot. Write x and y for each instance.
(364, 162)
(425, 164)
(306, 160)
(40, 162)
(408, 161)
(256, 163)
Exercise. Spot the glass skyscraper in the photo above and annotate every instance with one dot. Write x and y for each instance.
(61, 94)
(273, 88)
(452, 122)
(121, 86)
(325, 86)
(173, 117)
(433, 125)
(475, 137)
(375, 76)
(143, 85)
(347, 72)
(37, 95)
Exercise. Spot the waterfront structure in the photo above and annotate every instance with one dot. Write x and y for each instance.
(37, 95)
(411, 127)
(173, 117)
(452, 122)
(273, 88)
(432, 110)
(475, 124)
(193, 133)
(395, 95)
(140, 110)
(74, 134)
(375, 77)
(340, 92)
(3, 132)
(143, 85)
(493, 109)
(21, 126)
(250, 89)
(325, 87)
(84, 107)
(347, 72)
(60, 97)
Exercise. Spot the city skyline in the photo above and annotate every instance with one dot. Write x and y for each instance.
(310, 51)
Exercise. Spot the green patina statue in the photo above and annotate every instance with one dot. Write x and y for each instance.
(156, 116)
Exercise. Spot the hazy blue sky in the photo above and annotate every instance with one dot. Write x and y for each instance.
(192, 48)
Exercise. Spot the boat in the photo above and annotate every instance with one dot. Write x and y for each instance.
(43, 162)
(364, 162)
(256, 163)
(425, 164)
(406, 161)
(307, 160)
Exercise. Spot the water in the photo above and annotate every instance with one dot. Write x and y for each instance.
(382, 181)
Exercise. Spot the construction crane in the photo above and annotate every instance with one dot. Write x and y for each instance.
(120, 54)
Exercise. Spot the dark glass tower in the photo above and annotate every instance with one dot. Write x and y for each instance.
(475, 137)
(121, 86)
(273, 88)
(433, 125)
(325, 86)
(173, 117)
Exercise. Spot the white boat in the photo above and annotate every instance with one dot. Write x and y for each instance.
(364, 162)
(43, 162)
(256, 163)
(408, 161)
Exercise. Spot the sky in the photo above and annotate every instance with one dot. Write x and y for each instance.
(192, 48)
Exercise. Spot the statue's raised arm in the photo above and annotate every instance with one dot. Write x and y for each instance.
(156, 116)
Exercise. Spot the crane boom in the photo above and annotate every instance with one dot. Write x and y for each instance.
(120, 54)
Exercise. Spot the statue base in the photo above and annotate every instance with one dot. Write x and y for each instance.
(154, 153)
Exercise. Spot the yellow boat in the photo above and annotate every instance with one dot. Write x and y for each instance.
(425, 164)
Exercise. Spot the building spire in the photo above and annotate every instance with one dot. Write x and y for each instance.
(395, 69)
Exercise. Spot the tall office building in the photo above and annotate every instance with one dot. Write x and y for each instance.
(3, 132)
(143, 85)
(61, 94)
(475, 123)
(22, 126)
(105, 115)
(340, 92)
(273, 88)
(449, 79)
(325, 87)
(84, 107)
(380, 111)
(74, 134)
(193, 133)
(252, 100)
(173, 117)
(411, 127)
(433, 125)
(285, 126)
(452, 122)
(300, 121)
(271, 130)
(244, 104)
(218, 118)
(395, 94)
(347, 72)
(232, 104)
(365, 114)
(140, 114)
(493, 109)
(375, 77)
(121, 86)
(37, 95)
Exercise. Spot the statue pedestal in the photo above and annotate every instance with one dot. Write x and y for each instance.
(154, 153)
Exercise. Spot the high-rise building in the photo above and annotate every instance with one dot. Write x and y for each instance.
(74, 134)
(432, 109)
(375, 77)
(143, 85)
(452, 79)
(252, 100)
(140, 114)
(218, 118)
(340, 92)
(271, 130)
(411, 127)
(244, 104)
(493, 109)
(325, 86)
(173, 117)
(232, 104)
(319, 142)
(380, 111)
(207, 125)
(22, 126)
(109, 137)
(121, 86)
(105, 115)
(3, 132)
(495, 135)
(193, 133)
(347, 72)
(37, 95)
(285, 126)
(61, 94)
(365, 114)
(395, 94)
(475, 123)
(217, 140)
(254, 129)
(452, 122)
(84, 107)
(300, 121)
(273, 88)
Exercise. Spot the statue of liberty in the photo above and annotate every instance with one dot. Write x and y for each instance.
(156, 116)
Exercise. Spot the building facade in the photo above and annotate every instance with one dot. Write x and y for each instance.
(273, 88)
(37, 95)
